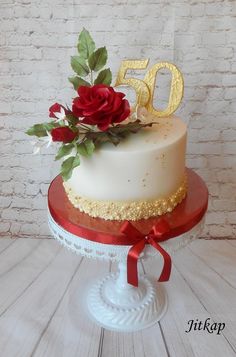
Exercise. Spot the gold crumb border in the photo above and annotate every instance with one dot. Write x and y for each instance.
(121, 210)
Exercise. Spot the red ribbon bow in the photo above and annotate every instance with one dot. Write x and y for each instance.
(157, 234)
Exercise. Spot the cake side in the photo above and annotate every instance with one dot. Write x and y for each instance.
(143, 176)
(128, 210)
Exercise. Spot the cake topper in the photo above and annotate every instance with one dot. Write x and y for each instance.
(145, 88)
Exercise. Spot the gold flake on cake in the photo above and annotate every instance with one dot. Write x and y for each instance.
(121, 210)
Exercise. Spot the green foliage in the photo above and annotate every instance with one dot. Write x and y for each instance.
(72, 119)
(86, 45)
(89, 60)
(86, 148)
(64, 150)
(78, 81)
(104, 77)
(79, 65)
(98, 59)
(40, 130)
(68, 165)
(117, 133)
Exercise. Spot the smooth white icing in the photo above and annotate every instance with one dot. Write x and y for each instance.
(146, 165)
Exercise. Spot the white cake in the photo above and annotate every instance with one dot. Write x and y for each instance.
(143, 176)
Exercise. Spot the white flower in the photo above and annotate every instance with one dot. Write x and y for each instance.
(48, 139)
(60, 115)
(142, 112)
(134, 114)
(42, 142)
(139, 113)
(36, 147)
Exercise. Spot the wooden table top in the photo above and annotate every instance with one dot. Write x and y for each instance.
(42, 308)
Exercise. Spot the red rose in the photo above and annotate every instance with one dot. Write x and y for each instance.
(64, 134)
(100, 105)
(57, 108)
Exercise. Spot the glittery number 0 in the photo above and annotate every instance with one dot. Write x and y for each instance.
(145, 88)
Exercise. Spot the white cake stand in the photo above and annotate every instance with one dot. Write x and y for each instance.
(112, 302)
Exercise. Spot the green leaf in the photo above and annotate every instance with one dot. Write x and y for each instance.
(131, 127)
(79, 65)
(98, 137)
(78, 81)
(104, 77)
(72, 119)
(40, 130)
(98, 59)
(115, 139)
(68, 165)
(90, 147)
(86, 45)
(86, 148)
(115, 134)
(64, 150)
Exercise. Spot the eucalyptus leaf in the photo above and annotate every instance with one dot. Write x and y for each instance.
(64, 150)
(68, 165)
(104, 77)
(98, 59)
(79, 65)
(40, 130)
(86, 45)
(78, 81)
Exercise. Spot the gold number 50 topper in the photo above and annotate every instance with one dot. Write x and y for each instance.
(145, 88)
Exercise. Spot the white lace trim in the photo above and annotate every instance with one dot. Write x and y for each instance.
(112, 252)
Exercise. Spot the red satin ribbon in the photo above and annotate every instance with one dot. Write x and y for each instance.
(158, 233)
(106, 238)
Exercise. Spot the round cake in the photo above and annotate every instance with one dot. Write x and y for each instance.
(143, 176)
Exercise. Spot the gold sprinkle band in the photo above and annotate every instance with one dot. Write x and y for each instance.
(122, 210)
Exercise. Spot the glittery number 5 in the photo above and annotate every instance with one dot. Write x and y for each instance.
(140, 87)
(145, 89)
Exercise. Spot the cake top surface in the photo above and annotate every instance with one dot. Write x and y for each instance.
(165, 132)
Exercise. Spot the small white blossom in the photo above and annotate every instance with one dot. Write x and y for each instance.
(48, 139)
(139, 113)
(60, 115)
(42, 142)
(36, 147)
(142, 113)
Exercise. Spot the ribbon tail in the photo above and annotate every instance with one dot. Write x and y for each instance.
(166, 270)
(132, 262)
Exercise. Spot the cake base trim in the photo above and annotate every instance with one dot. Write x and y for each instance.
(125, 210)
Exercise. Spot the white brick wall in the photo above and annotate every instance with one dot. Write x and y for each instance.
(37, 39)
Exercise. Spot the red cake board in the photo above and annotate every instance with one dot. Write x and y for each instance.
(182, 219)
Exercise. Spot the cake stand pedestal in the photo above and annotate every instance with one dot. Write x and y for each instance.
(112, 302)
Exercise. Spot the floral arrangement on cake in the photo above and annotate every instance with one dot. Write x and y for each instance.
(96, 113)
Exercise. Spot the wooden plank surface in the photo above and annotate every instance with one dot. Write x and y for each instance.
(42, 307)
(142, 343)
(186, 303)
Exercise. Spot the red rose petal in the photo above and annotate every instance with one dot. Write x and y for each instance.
(64, 134)
(56, 108)
(100, 105)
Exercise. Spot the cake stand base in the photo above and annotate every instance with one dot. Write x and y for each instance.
(117, 305)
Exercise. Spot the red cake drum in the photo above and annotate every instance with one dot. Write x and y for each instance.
(184, 217)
